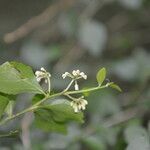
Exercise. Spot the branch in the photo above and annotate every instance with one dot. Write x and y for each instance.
(47, 97)
(116, 119)
(87, 90)
(37, 21)
(121, 117)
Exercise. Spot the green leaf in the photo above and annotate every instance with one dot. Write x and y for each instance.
(9, 96)
(3, 104)
(56, 116)
(115, 86)
(37, 98)
(9, 108)
(44, 121)
(101, 75)
(93, 143)
(5, 101)
(86, 94)
(17, 78)
(64, 113)
(24, 70)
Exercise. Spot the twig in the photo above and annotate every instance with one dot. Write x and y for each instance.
(77, 51)
(120, 117)
(91, 9)
(37, 21)
(36, 105)
(25, 135)
(69, 85)
(74, 53)
(116, 119)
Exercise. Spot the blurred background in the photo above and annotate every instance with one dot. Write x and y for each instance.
(62, 35)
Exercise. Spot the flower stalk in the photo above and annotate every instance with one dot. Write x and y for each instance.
(48, 97)
(77, 104)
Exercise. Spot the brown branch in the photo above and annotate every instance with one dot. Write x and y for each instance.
(25, 125)
(117, 119)
(121, 117)
(74, 53)
(37, 21)
(78, 51)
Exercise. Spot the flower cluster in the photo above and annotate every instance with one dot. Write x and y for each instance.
(79, 104)
(42, 74)
(75, 75)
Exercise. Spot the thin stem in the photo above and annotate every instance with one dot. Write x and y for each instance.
(69, 85)
(86, 90)
(72, 98)
(32, 108)
(35, 106)
(48, 97)
(18, 114)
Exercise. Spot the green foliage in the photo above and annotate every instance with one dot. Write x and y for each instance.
(115, 86)
(101, 75)
(55, 116)
(44, 121)
(6, 103)
(37, 98)
(9, 108)
(63, 112)
(86, 94)
(94, 143)
(3, 104)
(17, 78)
(109, 33)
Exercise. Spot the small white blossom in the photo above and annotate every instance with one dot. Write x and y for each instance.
(42, 74)
(83, 75)
(76, 86)
(65, 75)
(76, 74)
(79, 104)
(42, 69)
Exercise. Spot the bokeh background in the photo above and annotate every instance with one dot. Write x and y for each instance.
(62, 35)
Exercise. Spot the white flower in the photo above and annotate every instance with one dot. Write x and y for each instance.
(79, 104)
(76, 86)
(65, 75)
(83, 75)
(42, 74)
(76, 74)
